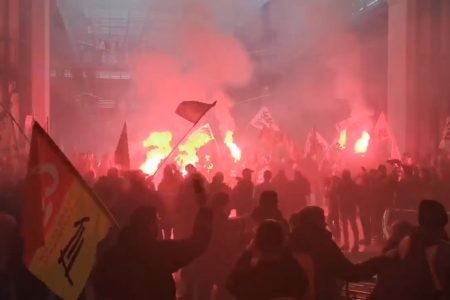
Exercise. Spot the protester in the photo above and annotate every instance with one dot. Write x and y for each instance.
(168, 190)
(218, 185)
(266, 185)
(140, 266)
(214, 265)
(426, 255)
(391, 272)
(348, 198)
(330, 267)
(267, 270)
(268, 210)
(242, 195)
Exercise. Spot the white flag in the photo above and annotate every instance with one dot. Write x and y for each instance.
(315, 144)
(264, 119)
(381, 133)
(445, 140)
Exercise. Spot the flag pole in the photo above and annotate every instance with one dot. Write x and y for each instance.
(15, 122)
(163, 162)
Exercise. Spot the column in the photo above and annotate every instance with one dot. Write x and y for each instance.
(399, 67)
(40, 61)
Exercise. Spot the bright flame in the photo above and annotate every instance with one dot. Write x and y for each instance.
(362, 143)
(343, 139)
(188, 150)
(159, 147)
(234, 149)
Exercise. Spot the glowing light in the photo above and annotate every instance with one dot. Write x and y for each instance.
(187, 152)
(343, 139)
(234, 149)
(158, 144)
(362, 143)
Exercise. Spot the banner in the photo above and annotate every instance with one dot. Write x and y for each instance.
(63, 220)
(264, 119)
(315, 145)
(382, 137)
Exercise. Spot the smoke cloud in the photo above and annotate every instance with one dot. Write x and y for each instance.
(190, 53)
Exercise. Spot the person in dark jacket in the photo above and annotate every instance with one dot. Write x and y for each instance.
(425, 255)
(267, 270)
(390, 272)
(243, 193)
(212, 267)
(268, 209)
(140, 266)
(348, 201)
(310, 237)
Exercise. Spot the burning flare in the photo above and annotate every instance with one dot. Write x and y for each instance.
(234, 149)
(342, 139)
(159, 147)
(362, 143)
(188, 150)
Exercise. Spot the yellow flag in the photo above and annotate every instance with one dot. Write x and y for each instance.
(63, 220)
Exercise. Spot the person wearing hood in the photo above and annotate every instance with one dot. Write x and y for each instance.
(267, 270)
(327, 267)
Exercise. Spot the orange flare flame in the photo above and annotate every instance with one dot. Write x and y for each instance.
(234, 149)
(159, 147)
(188, 150)
(343, 139)
(362, 143)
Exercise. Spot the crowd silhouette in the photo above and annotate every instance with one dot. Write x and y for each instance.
(176, 240)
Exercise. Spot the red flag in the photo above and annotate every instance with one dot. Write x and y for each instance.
(193, 111)
(122, 154)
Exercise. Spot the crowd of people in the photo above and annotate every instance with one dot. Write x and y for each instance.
(179, 239)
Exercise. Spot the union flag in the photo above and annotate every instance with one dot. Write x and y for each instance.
(63, 220)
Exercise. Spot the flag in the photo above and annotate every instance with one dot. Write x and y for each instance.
(193, 111)
(63, 220)
(315, 145)
(263, 118)
(445, 141)
(122, 154)
(206, 130)
(382, 137)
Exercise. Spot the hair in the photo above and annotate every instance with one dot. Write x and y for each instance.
(432, 214)
(308, 216)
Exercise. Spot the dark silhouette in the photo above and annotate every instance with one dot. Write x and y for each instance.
(268, 210)
(267, 270)
(426, 255)
(391, 271)
(242, 195)
(348, 199)
(266, 185)
(310, 237)
(140, 266)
